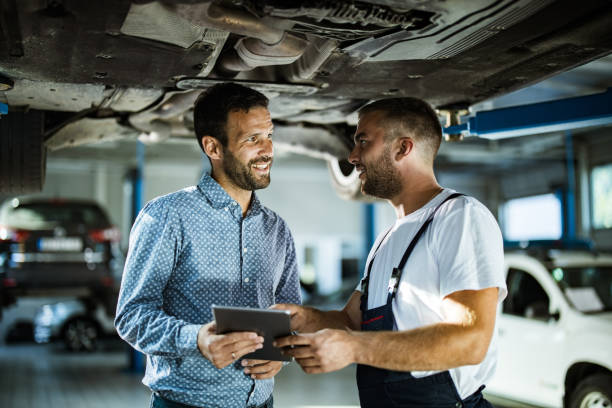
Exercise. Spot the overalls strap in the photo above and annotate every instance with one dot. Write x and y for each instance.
(397, 272)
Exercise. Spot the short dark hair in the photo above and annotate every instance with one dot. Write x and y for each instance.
(413, 115)
(213, 105)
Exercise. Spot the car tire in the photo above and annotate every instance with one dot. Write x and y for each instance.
(23, 154)
(345, 180)
(594, 391)
(81, 334)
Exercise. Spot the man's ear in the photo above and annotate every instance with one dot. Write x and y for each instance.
(404, 147)
(212, 147)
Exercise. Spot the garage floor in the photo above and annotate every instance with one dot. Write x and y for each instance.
(46, 376)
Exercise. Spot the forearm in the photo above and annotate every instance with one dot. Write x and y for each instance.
(332, 319)
(437, 347)
(153, 332)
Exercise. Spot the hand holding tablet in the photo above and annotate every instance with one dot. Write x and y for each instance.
(268, 323)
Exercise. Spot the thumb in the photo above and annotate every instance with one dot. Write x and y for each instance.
(212, 328)
(285, 306)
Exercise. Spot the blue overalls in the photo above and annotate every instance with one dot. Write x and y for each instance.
(386, 388)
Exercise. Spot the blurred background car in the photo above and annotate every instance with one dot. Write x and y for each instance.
(555, 329)
(79, 323)
(49, 245)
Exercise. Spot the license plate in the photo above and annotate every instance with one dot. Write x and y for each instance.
(60, 244)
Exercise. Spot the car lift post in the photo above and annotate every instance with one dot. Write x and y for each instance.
(369, 231)
(569, 226)
(137, 359)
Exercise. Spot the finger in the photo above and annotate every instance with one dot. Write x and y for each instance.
(260, 369)
(313, 370)
(241, 336)
(264, 376)
(239, 345)
(211, 327)
(285, 306)
(252, 362)
(299, 352)
(220, 361)
(272, 368)
(297, 340)
(310, 365)
(228, 343)
(246, 349)
(308, 362)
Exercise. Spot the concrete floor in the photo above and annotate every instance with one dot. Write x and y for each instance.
(47, 376)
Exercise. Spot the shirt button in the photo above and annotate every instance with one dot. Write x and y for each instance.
(226, 209)
(246, 280)
(244, 250)
(459, 404)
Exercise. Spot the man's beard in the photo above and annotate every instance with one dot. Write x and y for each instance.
(242, 175)
(381, 178)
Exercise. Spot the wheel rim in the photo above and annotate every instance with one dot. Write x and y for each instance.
(595, 399)
(81, 335)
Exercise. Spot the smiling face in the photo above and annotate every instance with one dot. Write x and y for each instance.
(247, 158)
(372, 157)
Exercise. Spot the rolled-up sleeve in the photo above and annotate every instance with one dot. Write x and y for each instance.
(154, 247)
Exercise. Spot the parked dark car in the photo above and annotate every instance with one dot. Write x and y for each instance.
(56, 245)
(78, 323)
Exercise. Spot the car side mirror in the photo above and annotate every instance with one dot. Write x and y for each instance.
(539, 311)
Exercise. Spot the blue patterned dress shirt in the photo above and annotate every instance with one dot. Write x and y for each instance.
(189, 250)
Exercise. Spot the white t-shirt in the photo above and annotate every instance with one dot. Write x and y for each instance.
(461, 250)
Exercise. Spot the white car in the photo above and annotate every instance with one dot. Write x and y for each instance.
(555, 329)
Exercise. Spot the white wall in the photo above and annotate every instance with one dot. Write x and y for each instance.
(302, 193)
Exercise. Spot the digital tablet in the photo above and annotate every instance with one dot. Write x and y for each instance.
(269, 323)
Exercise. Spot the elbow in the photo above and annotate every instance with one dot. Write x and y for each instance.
(120, 326)
(477, 356)
(477, 348)
(123, 327)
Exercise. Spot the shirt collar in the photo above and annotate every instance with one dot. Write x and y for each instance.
(219, 198)
(255, 206)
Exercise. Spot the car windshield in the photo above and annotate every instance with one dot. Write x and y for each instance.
(41, 216)
(588, 288)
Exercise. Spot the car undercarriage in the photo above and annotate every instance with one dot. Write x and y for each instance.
(74, 72)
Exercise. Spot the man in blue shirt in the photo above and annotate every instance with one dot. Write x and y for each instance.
(213, 243)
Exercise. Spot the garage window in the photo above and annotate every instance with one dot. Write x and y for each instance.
(532, 218)
(601, 196)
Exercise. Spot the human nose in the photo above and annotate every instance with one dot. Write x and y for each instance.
(354, 156)
(265, 147)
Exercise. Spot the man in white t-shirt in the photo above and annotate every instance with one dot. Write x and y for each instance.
(421, 324)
